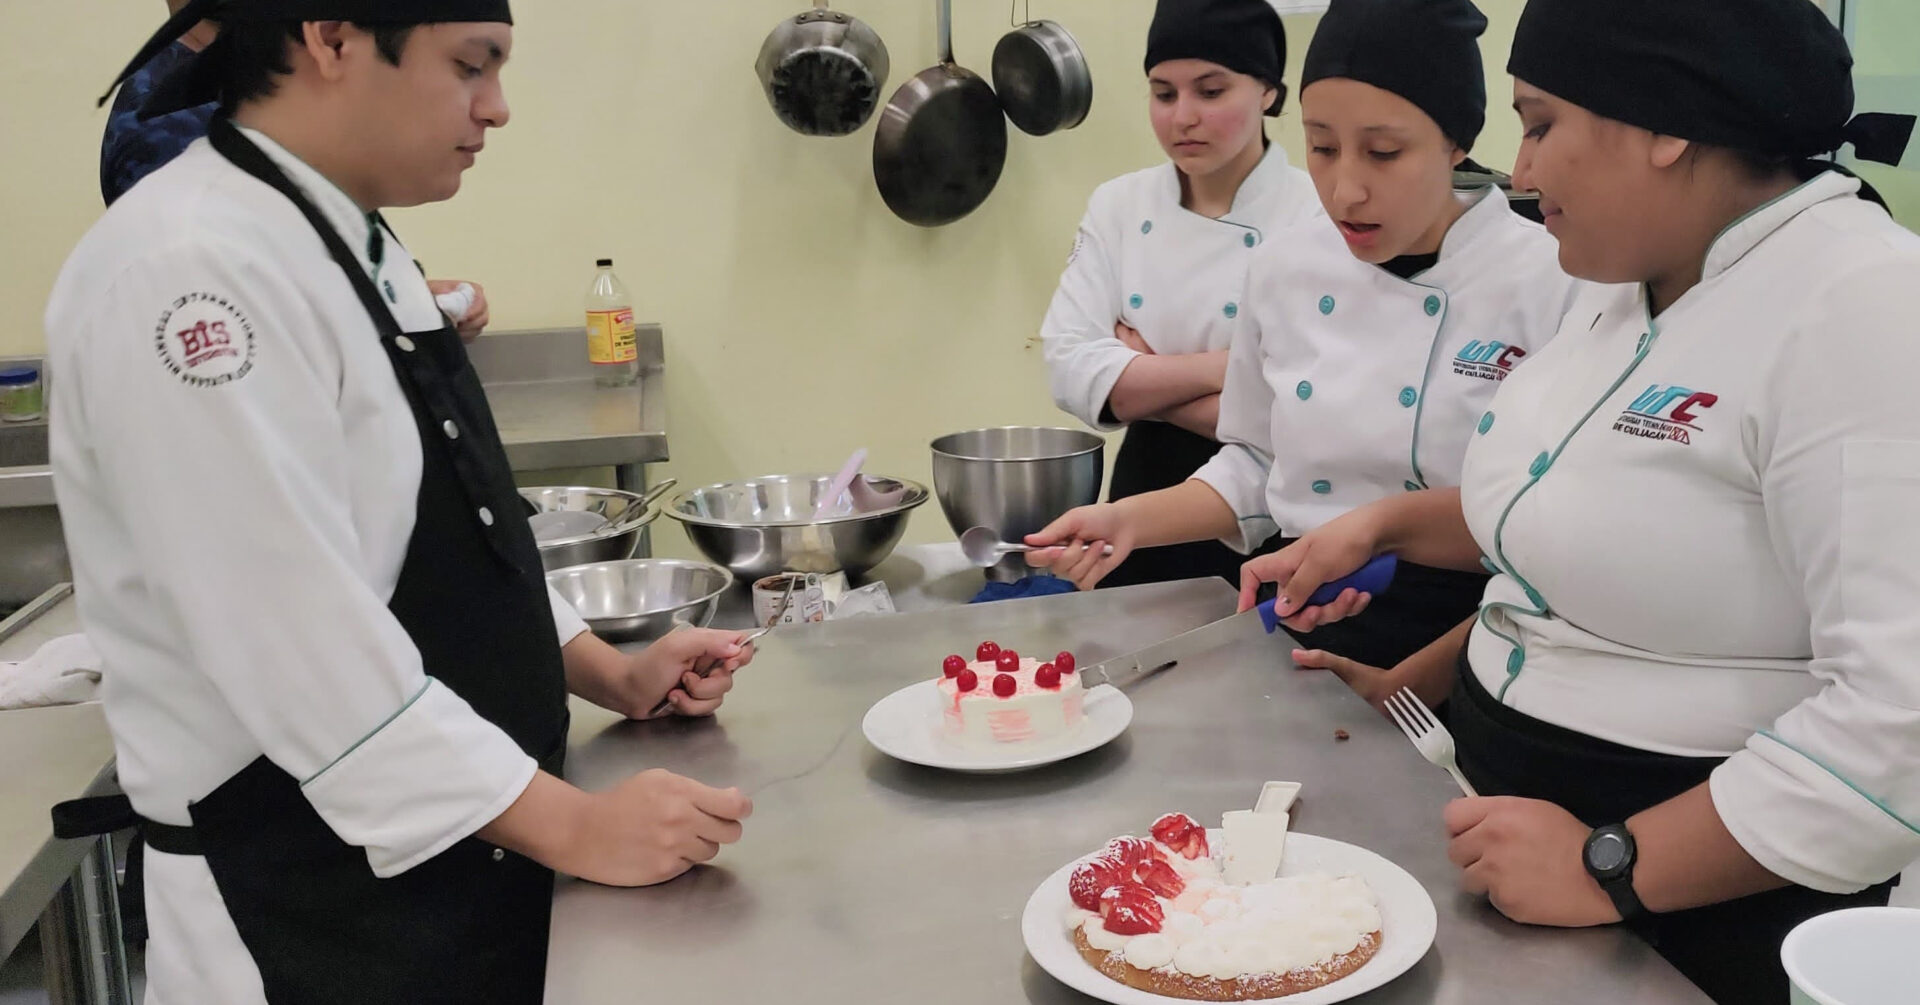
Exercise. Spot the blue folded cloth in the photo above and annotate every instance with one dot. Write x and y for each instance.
(1032, 586)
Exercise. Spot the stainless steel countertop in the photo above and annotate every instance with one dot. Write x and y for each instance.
(51, 755)
(865, 879)
(552, 415)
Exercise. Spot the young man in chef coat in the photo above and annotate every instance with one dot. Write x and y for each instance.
(336, 681)
(1692, 697)
(136, 145)
(1137, 334)
(1372, 337)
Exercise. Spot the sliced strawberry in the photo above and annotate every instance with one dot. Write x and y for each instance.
(1091, 878)
(1159, 877)
(1130, 909)
(1181, 833)
(1132, 851)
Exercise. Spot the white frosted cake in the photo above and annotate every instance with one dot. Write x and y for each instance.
(1000, 698)
(1158, 914)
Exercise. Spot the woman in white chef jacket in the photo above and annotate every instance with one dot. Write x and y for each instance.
(1374, 336)
(1138, 331)
(1694, 689)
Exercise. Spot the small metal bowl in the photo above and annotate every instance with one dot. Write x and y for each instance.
(626, 516)
(641, 599)
(761, 526)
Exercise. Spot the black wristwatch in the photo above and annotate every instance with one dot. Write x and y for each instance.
(1609, 857)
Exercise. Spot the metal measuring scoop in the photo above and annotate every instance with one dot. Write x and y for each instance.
(984, 548)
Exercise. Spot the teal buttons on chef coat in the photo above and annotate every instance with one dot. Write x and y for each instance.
(1486, 423)
(1408, 396)
(1412, 486)
(1231, 311)
(1539, 465)
(1326, 305)
(1303, 390)
(1252, 240)
(1135, 301)
(1147, 227)
(1433, 305)
(1515, 660)
(1322, 487)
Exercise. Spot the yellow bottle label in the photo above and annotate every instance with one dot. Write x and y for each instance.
(610, 337)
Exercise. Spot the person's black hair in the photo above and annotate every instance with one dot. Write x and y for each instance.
(253, 56)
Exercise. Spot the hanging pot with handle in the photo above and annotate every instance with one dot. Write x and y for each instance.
(1042, 78)
(823, 71)
(942, 140)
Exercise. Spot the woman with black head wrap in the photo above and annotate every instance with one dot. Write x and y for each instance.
(1692, 694)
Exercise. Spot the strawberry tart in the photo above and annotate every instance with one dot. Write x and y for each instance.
(1157, 914)
(1001, 698)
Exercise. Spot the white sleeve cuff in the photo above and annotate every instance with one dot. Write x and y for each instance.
(1083, 379)
(433, 774)
(1239, 475)
(1805, 824)
(566, 620)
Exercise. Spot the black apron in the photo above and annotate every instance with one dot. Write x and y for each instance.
(470, 924)
(1730, 950)
(1153, 456)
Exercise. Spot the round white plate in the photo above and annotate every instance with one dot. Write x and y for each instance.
(1407, 925)
(907, 725)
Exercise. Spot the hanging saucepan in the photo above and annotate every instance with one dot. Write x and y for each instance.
(1042, 78)
(823, 71)
(942, 140)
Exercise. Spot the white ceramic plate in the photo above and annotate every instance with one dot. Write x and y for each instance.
(1407, 925)
(907, 725)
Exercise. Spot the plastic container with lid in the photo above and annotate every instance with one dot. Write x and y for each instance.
(20, 396)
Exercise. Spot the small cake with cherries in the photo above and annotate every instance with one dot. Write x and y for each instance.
(1000, 698)
(1160, 914)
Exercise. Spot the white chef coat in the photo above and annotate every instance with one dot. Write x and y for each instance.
(1706, 531)
(1174, 276)
(1347, 383)
(238, 511)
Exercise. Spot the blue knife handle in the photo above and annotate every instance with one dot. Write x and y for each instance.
(1373, 577)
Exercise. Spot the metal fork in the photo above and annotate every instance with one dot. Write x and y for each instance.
(1428, 735)
(786, 599)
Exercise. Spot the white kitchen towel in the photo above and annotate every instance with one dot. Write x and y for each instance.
(65, 671)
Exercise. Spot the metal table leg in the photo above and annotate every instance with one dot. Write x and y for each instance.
(633, 478)
(80, 936)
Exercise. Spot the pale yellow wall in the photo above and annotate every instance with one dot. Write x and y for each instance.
(803, 319)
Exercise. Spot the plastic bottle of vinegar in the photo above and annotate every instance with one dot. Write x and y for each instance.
(610, 344)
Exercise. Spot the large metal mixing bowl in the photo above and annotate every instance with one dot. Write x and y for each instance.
(761, 526)
(1014, 480)
(641, 599)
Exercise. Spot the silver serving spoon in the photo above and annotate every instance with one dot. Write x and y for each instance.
(984, 548)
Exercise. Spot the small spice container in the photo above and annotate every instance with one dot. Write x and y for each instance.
(20, 395)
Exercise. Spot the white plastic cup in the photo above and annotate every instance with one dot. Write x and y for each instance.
(1859, 956)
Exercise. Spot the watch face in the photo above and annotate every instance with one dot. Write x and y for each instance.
(1607, 852)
